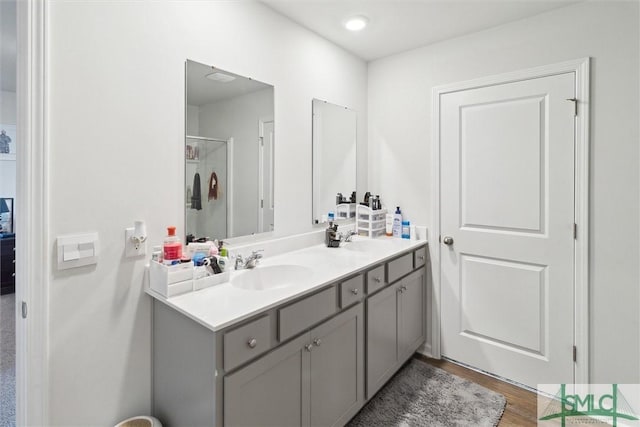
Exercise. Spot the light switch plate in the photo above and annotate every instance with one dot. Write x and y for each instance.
(130, 250)
(77, 250)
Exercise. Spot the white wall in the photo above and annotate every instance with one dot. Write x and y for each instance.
(400, 145)
(8, 167)
(116, 141)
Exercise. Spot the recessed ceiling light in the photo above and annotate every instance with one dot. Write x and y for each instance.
(356, 23)
(220, 77)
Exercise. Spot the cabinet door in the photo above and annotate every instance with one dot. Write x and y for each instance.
(337, 368)
(411, 331)
(272, 391)
(382, 335)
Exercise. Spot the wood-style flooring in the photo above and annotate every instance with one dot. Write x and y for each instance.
(521, 403)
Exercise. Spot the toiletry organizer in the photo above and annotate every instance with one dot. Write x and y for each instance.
(345, 210)
(179, 279)
(370, 222)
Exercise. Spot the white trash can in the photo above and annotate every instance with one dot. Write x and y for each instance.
(140, 421)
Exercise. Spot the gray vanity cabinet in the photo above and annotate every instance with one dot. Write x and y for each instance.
(382, 338)
(272, 391)
(317, 379)
(313, 361)
(337, 368)
(395, 328)
(411, 324)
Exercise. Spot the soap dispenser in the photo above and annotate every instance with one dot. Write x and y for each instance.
(331, 236)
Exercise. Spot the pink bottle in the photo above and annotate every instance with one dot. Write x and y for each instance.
(172, 248)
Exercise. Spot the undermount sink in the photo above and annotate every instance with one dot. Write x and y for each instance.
(361, 245)
(264, 278)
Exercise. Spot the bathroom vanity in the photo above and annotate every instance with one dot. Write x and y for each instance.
(309, 352)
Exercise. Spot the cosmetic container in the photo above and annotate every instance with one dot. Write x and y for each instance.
(172, 248)
(397, 223)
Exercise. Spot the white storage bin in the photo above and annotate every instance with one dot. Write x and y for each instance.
(345, 210)
(207, 281)
(171, 280)
(370, 223)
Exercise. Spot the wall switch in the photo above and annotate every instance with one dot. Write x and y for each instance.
(130, 250)
(77, 250)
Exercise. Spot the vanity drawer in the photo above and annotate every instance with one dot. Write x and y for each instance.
(420, 257)
(375, 279)
(246, 342)
(399, 267)
(351, 291)
(306, 312)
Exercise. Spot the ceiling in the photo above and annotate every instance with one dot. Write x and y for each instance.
(399, 25)
(8, 45)
(201, 90)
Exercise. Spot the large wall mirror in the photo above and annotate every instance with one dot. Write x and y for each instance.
(228, 154)
(334, 138)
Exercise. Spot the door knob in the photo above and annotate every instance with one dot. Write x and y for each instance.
(317, 342)
(308, 347)
(448, 240)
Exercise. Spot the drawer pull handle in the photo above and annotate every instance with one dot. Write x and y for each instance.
(252, 343)
(317, 342)
(354, 291)
(308, 347)
(377, 279)
(421, 257)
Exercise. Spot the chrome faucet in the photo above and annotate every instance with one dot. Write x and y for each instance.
(346, 237)
(250, 262)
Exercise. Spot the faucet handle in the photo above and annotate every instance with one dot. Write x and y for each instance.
(257, 253)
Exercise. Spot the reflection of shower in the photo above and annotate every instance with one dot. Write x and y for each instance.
(213, 159)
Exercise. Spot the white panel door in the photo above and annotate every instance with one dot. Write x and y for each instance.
(507, 214)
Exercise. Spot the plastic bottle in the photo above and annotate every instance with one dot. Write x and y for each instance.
(332, 217)
(223, 259)
(397, 223)
(172, 248)
(388, 225)
(406, 230)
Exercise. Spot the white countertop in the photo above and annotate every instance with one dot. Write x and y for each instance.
(223, 305)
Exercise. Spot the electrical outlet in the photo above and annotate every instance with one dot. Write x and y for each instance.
(130, 250)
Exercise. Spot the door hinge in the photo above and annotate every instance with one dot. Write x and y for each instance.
(440, 239)
(261, 141)
(262, 203)
(575, 230)
(24, 309)
(575, 353)
(575, 106)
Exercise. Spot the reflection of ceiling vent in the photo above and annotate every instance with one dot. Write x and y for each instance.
(220, 77)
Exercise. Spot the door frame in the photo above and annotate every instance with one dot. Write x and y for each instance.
(261, 159)
(580, 67)
(32, 219)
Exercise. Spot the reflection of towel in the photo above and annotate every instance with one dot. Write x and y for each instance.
(213, 186)
(196, 198)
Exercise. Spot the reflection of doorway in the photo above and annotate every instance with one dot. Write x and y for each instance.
(8, 183)
(265, 176)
